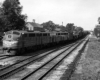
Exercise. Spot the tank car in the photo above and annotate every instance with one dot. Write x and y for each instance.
(18, 41)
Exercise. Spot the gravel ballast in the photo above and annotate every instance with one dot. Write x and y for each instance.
(88, 67)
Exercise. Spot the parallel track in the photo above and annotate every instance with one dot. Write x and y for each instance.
(11, 70)
(58, 59)
(17, 59)
(7, 71)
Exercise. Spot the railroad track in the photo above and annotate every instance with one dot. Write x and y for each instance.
(53, 57)
(12, 60)
(7, 61)
(25, 62)
(3, 57)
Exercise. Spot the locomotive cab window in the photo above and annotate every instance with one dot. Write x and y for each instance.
(17, 33)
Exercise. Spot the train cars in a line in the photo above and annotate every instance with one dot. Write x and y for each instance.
(18, 41)
(15, 41)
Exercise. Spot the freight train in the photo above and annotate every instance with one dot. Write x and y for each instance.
(15, 41)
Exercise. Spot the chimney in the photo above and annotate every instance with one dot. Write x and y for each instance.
(62, 23)
(33, 20)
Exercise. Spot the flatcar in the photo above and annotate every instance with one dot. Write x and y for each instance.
(15, 41)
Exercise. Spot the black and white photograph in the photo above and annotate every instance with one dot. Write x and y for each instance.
(49, 39)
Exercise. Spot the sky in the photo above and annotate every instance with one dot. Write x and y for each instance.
(83, 13)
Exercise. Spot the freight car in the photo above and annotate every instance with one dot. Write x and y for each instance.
(15, 41)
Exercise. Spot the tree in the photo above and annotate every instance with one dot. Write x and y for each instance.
(1, 20)
(79, 29)
(49, 25)
(11, 17)
(99, 20)
(70, 27)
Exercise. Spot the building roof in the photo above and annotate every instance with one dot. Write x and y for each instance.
(37, 27)
(35, 24)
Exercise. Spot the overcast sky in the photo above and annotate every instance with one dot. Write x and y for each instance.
(82, 13)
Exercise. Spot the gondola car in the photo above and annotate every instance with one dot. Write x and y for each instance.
(15, 42)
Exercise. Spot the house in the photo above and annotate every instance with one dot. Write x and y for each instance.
(32, 26)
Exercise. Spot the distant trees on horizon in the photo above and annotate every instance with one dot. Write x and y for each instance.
(70, 27)
(12, 19)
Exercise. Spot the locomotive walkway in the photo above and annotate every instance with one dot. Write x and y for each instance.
(48, 66)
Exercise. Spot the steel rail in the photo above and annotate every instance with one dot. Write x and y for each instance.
(16, 69)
